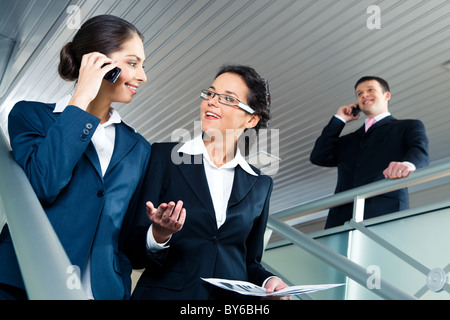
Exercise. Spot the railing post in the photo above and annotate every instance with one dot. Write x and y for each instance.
(358, 208)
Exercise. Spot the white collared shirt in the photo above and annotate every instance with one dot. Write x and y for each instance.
(220, 182)
(381, 116)
(377, 118)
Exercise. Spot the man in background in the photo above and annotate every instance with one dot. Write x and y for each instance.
(382, 148)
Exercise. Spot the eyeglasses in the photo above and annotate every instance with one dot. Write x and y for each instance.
(227, 100)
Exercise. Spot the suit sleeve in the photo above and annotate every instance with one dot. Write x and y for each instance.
(324, 152)
(49, 150)
(417, 145)
(135, 245)
(255, 245)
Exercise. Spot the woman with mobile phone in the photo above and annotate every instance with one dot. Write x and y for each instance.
(82, 160)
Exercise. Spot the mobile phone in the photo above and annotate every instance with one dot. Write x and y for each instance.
(356, 110)
(112, 75)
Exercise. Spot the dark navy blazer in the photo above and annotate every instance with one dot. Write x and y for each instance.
(85, 209)
(362, 157)
(200, 249)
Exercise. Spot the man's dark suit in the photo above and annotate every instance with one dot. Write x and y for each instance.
(200, 249)
(362, 157)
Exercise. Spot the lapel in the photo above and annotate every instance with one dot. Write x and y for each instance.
(194, 174)
(362, 131)
(125, 141)
(242, 184)
(383, 122)
(92, 155)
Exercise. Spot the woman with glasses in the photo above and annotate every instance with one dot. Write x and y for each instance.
(206, 217)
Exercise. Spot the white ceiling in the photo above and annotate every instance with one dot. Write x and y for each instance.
(312, 52)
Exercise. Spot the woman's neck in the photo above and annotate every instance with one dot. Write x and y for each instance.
(220, 151)
(99, 109)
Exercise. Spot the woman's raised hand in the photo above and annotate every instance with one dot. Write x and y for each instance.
(94, 66)
(167, 219)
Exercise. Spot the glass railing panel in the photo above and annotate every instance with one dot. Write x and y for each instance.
(301, 268)
(424, 238)
(421, 240)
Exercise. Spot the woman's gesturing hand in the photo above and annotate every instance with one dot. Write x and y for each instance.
(167, 219)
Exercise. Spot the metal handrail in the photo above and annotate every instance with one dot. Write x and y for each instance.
(337, 261)
(370, 190)
(45, 267)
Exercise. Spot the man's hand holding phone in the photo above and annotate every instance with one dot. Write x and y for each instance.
(350, 112)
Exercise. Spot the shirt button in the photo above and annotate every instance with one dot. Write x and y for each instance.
(100, 193)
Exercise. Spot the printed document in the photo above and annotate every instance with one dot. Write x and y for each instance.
(251, 289)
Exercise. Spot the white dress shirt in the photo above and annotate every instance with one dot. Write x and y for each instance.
(220, 182)
(379, 117)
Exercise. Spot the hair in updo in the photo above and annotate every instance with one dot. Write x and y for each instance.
(259, 95)
(105, 34)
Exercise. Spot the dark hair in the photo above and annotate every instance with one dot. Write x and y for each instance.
(259, 96)
(105, 34)
(383, 83)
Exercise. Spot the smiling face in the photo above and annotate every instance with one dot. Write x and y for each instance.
(130, 59)
(372, 99)
(216, 116)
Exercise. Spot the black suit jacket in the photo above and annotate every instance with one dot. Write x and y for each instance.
(362, 157)
(200, 249)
